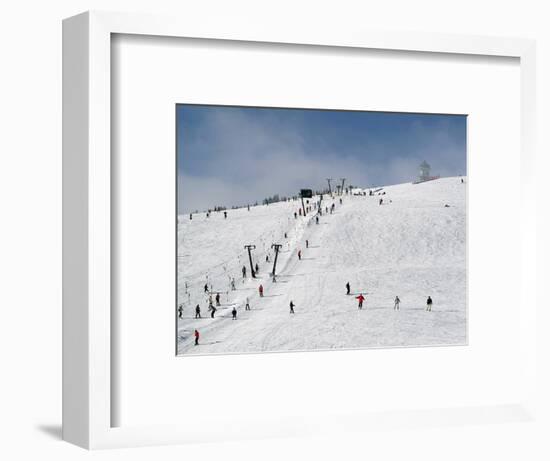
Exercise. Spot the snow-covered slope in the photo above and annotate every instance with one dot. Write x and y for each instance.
(412, 246)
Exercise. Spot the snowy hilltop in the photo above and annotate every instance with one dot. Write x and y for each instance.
(406, 240)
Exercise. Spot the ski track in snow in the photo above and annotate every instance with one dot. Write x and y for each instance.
(412, 247)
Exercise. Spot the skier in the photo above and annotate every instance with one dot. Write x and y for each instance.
(462, 180)
(295, 215)
(396, 303)
(285, 235)
(291, 307)
(300, 255)
(380, 202)
(234, 313)
(429, 304)
(266, 258)
(360, 298)
(261, 291)
(247, 307)
(212, 310)
(348, 288)
(248, 207)
(217, 299)
(307, 243)
(340, 201)
(180, 311)
(225, 214)
(190, 216)
(206, 287)
(316, 219)
(244, 272)
(198, 312)
(197, 337)
(257, 268)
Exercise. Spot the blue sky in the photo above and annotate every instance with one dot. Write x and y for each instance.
(235, 155)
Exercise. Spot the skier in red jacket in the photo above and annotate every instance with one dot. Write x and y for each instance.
(360, 298)
(197, 337)
(261, 290)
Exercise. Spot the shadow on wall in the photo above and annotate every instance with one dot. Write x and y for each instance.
(52, 430)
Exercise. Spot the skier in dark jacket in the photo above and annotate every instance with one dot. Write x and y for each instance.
(217, 299)
(206, 287)
(180, 311)
(244, 271)
(291, 307)
(234, 313)
(212, 310)
(348, 288)
(429, 303)
(198, 312)
(257, 268)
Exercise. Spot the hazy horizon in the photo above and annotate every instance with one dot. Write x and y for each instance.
(234, 156)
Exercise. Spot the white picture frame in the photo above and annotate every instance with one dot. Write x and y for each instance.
(88, 364)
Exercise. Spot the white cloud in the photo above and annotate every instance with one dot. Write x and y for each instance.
(248, 159)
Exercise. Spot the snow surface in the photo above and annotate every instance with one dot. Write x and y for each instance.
(413, 247)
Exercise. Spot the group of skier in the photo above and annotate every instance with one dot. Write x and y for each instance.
(213, 309)
(360, 298)
(396, 301)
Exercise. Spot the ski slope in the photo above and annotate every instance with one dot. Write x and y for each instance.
(413, 247)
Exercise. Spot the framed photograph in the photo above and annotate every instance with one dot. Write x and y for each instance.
(275, 232)
(276, 254)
